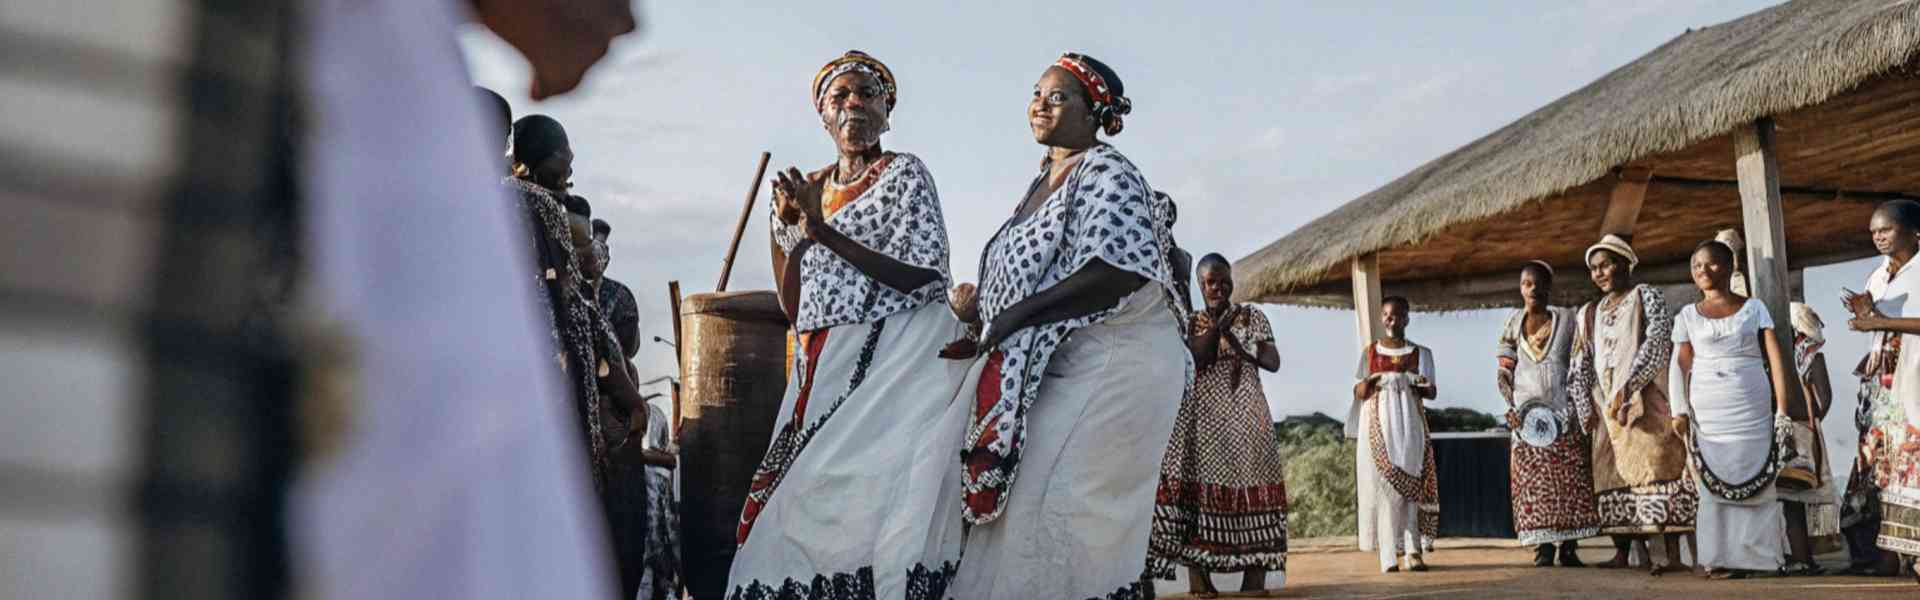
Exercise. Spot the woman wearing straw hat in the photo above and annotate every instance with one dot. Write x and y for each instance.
(1806, 490)
(1619, 387)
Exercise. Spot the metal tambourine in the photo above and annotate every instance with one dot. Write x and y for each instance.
(1539, 426)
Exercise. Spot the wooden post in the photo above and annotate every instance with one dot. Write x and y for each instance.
(679, 358)
(1623, 208)
(1766, 233)
(739, 226)
(1366, 299)
(1367, 328)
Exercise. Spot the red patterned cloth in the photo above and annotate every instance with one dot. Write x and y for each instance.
(786, 443)
(1222, 499)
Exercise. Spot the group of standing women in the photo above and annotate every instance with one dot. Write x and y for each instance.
(914, 406)
(593, 326)
(1633, 422)
(911, 412)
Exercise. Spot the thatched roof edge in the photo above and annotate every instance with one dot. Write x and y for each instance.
(1699, 85)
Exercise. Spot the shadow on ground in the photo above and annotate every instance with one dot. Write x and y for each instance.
(1487, 569)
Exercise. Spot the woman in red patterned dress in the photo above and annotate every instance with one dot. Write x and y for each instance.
(1552, 479)
(1222, 501)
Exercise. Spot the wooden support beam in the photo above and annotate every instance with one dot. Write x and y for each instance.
(1366, 299)
(1623, 208)
(1825, 193)
(1367, 328)
(679, 359)
(1766, 233)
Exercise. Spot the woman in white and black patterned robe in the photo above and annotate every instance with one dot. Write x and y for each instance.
(839, 506)
(1084, 366)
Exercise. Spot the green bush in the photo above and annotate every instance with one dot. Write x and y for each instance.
(1319, 466)
(1458, 419)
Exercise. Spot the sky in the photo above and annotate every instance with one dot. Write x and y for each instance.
(1256, 117)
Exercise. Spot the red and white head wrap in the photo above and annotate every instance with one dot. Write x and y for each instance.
(1108, 104)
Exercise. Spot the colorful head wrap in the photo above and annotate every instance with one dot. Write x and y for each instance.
(1617, 245)
(1103, 88)
(853, 61)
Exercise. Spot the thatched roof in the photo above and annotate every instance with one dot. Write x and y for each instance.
(1838, 77)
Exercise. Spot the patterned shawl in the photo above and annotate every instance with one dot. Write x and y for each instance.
(616, 300)
(899, 216)
(574, 323)
(1104, 211)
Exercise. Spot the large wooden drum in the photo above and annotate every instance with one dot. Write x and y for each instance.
(733, 353)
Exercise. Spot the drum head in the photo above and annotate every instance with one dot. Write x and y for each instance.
(1539, 427)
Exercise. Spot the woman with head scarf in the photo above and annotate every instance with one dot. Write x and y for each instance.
(1621, 351)
(1889, 460)
(1552, 481)
(1805, 488)
(1731, 381)
(1731, 237)
(1081, 363)
(839, 507)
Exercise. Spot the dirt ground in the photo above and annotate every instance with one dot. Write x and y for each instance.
(1497, 569)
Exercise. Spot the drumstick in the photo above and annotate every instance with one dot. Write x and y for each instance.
(740, 227)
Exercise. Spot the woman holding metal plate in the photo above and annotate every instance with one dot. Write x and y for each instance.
(1551, 477)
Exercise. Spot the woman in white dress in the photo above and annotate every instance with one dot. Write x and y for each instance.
(1081, 371)
(838, 507)
(1726, 413)
(1395, 450)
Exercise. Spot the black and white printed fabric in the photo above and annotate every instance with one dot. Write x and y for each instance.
(1104, 211)
(899, 216)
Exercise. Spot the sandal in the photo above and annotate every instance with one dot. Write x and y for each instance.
(1543, 555)
(1657, 570)
(1800, 569)
(1570, 556)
